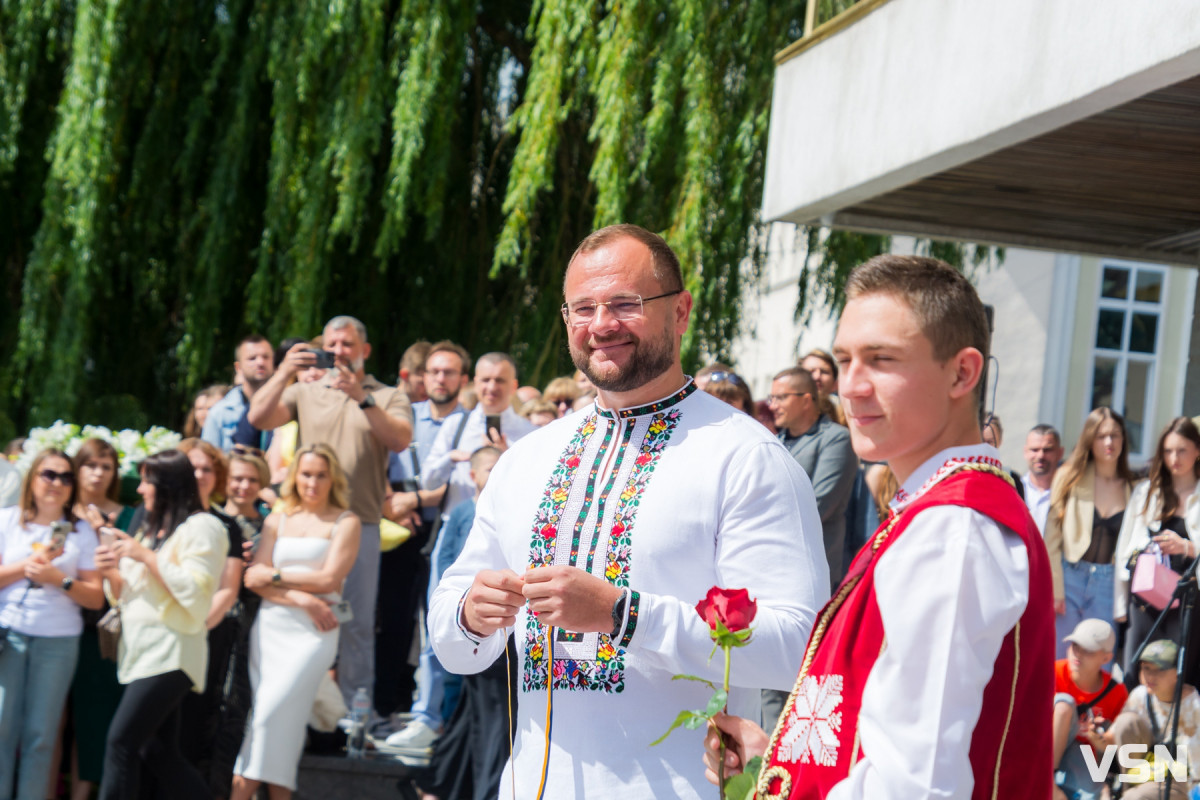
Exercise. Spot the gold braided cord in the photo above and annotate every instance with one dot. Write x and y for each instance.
(762, 788)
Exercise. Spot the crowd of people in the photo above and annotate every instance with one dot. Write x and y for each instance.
(320, 532)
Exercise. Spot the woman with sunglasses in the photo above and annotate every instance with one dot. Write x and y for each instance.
(95, 690)
(562, 392)
(47, 573)
(164, 579)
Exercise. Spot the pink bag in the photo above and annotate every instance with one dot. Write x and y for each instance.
(1153, 579)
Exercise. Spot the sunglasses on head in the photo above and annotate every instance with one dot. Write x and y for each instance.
(247, 450)
(50, 476)
(720, 377)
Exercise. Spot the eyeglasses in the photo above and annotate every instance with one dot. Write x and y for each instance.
(50, 476)
(778, 398)
(623, 308)
(725, 377)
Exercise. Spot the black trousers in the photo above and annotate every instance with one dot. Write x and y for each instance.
(403, 576)
(145, 733)
(468, 759)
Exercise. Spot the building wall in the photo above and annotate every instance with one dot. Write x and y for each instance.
(1045, 315)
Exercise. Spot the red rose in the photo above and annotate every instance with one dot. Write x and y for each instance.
(643, 459)
(573, 461)
(548, 531)
(733, 607)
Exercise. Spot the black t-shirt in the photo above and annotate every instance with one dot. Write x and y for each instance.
(234, 530)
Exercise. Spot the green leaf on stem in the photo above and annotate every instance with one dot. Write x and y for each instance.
(716, 703)
(697, 679)
(688, 719)
(741, 786)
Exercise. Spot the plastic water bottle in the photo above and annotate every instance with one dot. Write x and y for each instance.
(360, 711)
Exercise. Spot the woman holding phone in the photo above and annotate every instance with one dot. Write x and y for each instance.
(303, 558)
(164, 580)
(95, 690)
(46, 574)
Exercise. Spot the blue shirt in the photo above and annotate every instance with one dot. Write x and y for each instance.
(222, 421)
(453, 536)
(407, 465)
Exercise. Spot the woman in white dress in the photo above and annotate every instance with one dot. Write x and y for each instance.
(304, 555)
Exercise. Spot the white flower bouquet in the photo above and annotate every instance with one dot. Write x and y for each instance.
(132, 447)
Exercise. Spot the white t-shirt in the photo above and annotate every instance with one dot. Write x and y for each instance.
(45, 610)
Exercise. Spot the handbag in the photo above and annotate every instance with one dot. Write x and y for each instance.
(108, 629)
(1154, 581)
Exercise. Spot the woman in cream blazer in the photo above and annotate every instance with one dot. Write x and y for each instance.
(1088, 497)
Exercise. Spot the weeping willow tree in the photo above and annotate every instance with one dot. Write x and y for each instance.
(174, 176)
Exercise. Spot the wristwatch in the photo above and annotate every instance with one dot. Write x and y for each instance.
(67, 583)
(276, 578)
(367, 402)
(618, 614)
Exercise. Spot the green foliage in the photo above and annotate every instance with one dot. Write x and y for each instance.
(175, 176)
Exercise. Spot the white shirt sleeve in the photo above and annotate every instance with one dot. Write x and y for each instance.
(769, 541)
(948, 591)
(458, 650)
(438, 466)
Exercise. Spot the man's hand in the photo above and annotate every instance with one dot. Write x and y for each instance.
(571, 599)
(496, 439)
(493, 601)
(297, 359)
(346, 381)
(1060, 607)
(743, 741)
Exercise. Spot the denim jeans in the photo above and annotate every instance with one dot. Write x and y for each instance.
(35, 675)
(1088, 590)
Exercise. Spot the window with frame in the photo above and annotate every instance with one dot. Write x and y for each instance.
(1126, 347)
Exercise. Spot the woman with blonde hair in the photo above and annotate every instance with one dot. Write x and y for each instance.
(1163, 512)
(1087, 501)
(562, 392)
(46, 574)
(304, 556)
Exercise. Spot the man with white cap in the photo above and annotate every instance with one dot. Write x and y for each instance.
(1086, 699)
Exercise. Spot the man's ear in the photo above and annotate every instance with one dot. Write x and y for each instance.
(968, 371)
(366, 350)
(404, 374)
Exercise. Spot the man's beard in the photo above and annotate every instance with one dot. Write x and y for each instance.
(650, 359)
(441, 398)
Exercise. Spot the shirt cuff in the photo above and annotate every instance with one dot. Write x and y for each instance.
(632, 609)
(462, 626)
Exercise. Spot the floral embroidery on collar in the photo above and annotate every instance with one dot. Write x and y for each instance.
(903, 498)
(650, 408)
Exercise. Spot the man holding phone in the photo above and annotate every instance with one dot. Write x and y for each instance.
(361, 420)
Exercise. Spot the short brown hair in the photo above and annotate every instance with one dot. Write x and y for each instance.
(802, 379)
(414, 357)
(945, 303)
(447, 346)
(728, 386)
(824, 355)
(666, 263)
(96, 449)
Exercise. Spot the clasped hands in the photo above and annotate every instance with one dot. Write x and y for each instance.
(560, 596)
(108, 556)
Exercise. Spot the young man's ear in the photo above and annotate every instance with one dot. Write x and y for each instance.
(968, 371)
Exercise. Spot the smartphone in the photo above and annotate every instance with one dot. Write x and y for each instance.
(493, 424)
(107, 537)
(342, 611)
(58, 534)
(325, 359)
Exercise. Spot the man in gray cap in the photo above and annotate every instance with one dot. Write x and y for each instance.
(1149, 716)
(1086, 698)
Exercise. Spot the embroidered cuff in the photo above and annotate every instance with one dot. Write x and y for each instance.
(462, 625)
(631, 618)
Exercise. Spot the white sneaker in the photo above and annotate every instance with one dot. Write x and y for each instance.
(416, 736)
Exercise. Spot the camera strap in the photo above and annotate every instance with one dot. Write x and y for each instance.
(1084, 708)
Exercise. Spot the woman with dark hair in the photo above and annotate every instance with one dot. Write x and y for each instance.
(1087, 501)
(1163, 510)
(95, 690)
(163, 579)
(46, 574)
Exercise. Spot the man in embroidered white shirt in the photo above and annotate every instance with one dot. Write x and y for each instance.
(598, 534)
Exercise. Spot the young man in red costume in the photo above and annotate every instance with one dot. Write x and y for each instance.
(930, 673)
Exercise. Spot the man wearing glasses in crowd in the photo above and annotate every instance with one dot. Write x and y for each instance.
(596, 536)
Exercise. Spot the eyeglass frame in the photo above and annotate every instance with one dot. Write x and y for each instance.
(777, 398)
(566, 307)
